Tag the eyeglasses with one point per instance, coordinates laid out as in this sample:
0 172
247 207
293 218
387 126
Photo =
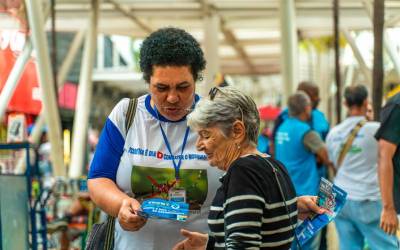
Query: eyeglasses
213 92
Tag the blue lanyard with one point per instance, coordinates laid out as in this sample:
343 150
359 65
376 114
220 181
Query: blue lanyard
176 166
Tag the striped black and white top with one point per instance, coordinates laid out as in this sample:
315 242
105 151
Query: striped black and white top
248 211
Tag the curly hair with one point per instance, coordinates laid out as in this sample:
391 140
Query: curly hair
171 47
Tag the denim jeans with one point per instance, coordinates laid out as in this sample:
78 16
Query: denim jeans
311 244
359 221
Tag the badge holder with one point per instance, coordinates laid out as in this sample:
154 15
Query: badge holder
177 193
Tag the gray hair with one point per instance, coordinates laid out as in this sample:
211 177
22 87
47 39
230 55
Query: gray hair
298 102
228 105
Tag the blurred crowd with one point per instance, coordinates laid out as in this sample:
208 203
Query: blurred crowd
359 155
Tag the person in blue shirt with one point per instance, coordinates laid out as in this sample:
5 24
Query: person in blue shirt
317 120
263 141
297 146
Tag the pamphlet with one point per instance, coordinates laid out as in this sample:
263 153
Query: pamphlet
331 198
165 209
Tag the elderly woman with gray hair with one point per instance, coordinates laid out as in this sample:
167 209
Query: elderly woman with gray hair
256 205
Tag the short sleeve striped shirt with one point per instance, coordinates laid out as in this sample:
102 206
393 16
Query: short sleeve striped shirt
248 211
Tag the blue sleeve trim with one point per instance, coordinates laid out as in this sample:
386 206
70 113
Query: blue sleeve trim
108 153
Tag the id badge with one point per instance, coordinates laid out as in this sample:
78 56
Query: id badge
177 195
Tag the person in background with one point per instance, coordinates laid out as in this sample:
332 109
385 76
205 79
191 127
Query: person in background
297 145
388 136
250 210
353 149
263 141
317 120
370 112
81 213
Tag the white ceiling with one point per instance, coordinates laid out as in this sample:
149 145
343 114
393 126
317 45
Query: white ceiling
253 23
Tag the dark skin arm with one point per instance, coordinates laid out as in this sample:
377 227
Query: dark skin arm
389 221
314 143
323 158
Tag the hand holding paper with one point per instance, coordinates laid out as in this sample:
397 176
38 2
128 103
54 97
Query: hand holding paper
307 206
127 217
331 198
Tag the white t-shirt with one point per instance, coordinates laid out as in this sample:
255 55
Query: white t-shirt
358 173
146 171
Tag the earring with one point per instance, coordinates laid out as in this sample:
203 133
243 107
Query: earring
238 146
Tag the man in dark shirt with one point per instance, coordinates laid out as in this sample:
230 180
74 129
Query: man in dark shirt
388 137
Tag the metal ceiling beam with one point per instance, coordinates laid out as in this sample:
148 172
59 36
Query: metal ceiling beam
387 43
248 17
230 37
266 69
255 41
62 75
258 56
309 21
127 13
211 31
74 22
262 8
84 95
314 4
289 46
357 54
392 21
46 83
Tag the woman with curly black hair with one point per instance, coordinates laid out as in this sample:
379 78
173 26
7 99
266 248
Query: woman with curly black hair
156 156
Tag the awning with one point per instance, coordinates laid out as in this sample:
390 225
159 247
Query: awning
269 112
27 95
26 98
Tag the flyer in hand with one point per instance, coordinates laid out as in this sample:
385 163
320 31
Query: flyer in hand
165 209
330 197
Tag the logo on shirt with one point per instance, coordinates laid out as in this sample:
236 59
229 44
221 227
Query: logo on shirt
282 137
160 155
150 182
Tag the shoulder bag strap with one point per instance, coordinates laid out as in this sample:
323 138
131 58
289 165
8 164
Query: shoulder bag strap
130 116
130 113
350 138
276 171
109 239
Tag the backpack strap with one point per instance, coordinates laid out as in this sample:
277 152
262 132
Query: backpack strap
109 239
110 224
349 141
130 113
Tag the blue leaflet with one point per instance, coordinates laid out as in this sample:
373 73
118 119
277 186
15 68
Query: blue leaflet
330 197
165 209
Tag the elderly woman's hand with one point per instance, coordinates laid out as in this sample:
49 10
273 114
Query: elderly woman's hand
127 217
307 205
193 241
